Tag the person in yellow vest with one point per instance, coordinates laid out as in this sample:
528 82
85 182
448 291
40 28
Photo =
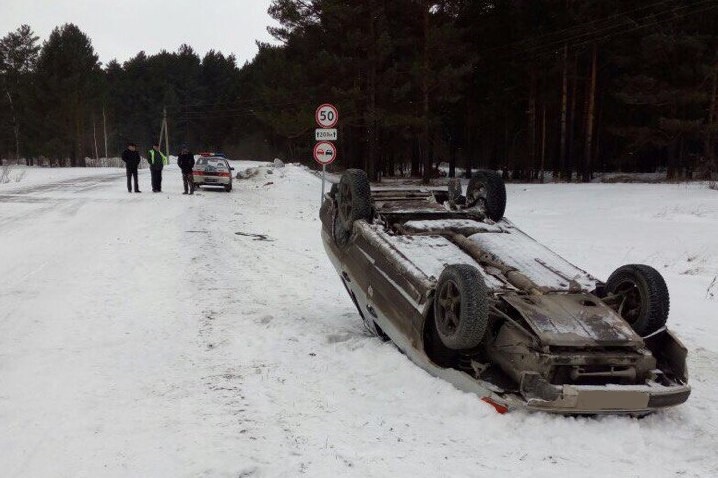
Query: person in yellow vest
157 161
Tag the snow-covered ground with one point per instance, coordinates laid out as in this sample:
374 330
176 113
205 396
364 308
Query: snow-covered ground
140 336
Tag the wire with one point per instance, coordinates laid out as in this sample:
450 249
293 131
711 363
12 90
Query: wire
675 12
587 24
582 38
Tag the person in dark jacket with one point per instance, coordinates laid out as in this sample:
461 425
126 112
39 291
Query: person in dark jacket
132 161
186 162
157 161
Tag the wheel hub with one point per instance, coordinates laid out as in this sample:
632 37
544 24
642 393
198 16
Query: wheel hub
449 310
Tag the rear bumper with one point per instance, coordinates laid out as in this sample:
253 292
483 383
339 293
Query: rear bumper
211 180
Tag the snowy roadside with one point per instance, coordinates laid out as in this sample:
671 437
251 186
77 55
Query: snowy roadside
33 176
140 335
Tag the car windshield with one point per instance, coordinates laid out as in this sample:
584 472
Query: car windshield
215 163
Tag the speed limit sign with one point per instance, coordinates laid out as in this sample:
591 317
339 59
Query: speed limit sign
327 116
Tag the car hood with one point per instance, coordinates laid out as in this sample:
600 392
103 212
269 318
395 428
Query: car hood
574 320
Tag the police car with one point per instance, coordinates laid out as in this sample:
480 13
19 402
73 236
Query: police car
212 169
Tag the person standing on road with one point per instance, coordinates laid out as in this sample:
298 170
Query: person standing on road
186 162
157 161
132 161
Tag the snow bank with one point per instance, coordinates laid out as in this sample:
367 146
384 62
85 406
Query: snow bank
140 336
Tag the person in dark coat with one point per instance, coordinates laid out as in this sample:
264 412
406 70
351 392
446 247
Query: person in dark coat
157 161
186 162
132 161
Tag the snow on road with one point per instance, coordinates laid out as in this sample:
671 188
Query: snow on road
140 335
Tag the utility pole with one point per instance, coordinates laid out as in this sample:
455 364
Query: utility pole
104 128
162 132
167 133
94 137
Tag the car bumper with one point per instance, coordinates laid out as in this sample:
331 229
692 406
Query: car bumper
211 181
626 399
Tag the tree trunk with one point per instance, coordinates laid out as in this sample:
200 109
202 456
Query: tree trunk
543 145
709 150
590 111
415 159
470 150
564 111
370 118
426 178
532 122
452 158
15 125
571 127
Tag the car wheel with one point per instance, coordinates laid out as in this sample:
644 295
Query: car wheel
228 187
640 296
487 190
461 307
353 198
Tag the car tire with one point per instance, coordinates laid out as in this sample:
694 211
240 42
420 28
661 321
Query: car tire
228 187
435 349
644 301
461 307
487 189
353 198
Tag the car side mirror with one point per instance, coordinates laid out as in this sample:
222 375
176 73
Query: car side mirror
231 168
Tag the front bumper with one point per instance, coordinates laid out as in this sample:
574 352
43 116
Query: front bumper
612 399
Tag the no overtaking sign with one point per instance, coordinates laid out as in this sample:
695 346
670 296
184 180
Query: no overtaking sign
325 153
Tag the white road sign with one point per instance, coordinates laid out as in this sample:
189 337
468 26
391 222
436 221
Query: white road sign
325 153
327 116
326 134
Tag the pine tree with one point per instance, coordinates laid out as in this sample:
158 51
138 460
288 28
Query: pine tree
18 58
69 84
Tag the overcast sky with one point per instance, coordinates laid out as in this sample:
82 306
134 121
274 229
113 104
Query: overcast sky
122 28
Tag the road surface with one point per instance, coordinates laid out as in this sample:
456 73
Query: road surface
166 335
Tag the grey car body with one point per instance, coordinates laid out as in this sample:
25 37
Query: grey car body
212 171
554 341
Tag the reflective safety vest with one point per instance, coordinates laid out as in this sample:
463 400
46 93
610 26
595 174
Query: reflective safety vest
152 158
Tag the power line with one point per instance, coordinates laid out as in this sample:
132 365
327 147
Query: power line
623 28
593 22
587 37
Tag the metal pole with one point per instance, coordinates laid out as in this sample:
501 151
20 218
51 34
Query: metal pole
324 173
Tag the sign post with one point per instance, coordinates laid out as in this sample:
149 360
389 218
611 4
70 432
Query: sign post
327 117
324 153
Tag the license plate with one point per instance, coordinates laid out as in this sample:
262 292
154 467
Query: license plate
210 180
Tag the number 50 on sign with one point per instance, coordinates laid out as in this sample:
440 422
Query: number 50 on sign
327 116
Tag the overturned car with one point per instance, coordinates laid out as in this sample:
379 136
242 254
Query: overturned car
472 299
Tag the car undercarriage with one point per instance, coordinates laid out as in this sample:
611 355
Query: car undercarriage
471 298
